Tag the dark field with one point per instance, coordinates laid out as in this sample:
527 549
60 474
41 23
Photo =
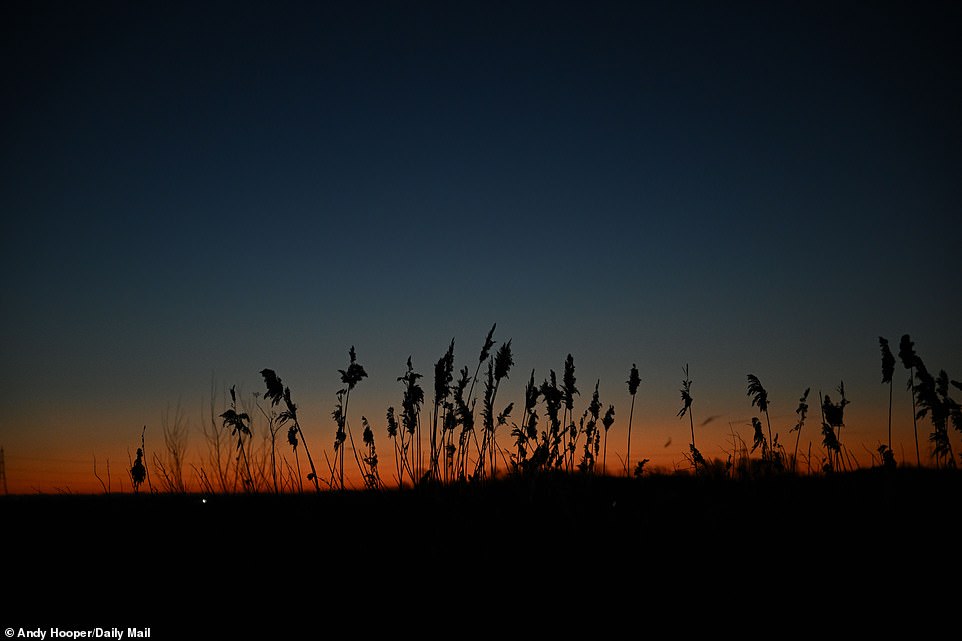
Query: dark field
574 551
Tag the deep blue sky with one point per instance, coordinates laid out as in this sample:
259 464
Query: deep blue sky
196 191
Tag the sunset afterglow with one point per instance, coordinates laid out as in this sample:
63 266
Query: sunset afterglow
195 192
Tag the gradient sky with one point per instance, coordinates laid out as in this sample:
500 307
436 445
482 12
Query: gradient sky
193 192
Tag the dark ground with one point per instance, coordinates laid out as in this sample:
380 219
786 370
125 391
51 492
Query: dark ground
566 552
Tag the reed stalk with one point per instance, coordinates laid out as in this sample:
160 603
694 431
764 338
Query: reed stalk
239 424
908 357
277 392
633 382
801 411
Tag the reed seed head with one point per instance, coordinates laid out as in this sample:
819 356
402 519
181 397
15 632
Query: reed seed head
888 361
503 361
633 380
685 394
609 418
443 374
488 344
568 382
907 352
354 372
760 395
275 389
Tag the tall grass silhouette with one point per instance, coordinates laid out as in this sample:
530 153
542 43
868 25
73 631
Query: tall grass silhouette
907 356
277 392
930 398
686 398
465 405
443 375
606 422
239 424
633 382
400 460
552 439
760 398
526 433
464 416
411 401
589 427
568 390
932 394
549 435
369 471
138 473
498 368
802 412
888 371
833 419
349 377
758 439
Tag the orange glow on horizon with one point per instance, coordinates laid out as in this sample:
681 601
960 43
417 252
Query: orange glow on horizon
663 443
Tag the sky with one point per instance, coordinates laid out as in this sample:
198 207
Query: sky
193 192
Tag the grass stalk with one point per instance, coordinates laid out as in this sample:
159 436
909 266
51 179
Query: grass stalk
277 392
908 357
801 411
633 382
443 375
696 456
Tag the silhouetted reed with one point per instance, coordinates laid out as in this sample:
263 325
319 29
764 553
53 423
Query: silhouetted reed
487 421
527 432
606 422
589 426
934 401
760 398
369 472
483 357
907 356
568 390
411 402
138 473
463 407
759 438
930 398
277 392
464 412
888 370
558 442
239 424
400 460
553 455
498 368
833 419
443 375
349 377
696 456
143 449
503 361
633 382
802 412
953 409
